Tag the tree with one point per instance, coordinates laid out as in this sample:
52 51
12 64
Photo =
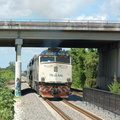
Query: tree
115 86
8 75
11 67
78 75
91 65
84 67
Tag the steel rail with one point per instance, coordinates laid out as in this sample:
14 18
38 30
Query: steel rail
64 116
77 93
93 117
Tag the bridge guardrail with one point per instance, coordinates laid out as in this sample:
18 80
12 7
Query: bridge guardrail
61 20
60 25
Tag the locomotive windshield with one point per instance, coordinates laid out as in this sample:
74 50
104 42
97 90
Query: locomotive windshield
46 59
63 59
53 55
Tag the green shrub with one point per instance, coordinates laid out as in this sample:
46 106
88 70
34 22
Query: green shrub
90 83
6 101
2 82
115 86
8 75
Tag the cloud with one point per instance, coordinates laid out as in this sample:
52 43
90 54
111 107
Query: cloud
6 50
44 8
12 8
92 17
111 7
58 8
7 55
32 51
51 9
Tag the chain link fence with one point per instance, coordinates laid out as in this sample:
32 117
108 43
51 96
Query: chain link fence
106 100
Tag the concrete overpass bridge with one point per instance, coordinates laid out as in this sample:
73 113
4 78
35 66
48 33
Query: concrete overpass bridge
62 34
72 34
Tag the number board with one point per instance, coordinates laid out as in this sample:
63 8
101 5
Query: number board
49 53
61 53
55 53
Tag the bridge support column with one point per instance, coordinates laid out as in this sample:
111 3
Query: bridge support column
18 43
109 64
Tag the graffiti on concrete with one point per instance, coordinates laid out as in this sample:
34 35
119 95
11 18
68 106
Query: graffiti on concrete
18 87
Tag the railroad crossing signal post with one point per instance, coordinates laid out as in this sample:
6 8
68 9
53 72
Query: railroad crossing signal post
18 43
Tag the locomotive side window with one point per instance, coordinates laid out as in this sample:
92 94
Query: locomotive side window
46 59
63 59
32 61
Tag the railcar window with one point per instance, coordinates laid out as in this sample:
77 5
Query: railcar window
63 59
32 62
46 59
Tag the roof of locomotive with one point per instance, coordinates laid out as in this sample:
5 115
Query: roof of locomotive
54 52
51 52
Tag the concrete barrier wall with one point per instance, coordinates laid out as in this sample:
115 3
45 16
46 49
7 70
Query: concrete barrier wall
106 100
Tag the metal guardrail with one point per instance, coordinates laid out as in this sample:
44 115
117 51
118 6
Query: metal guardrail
106 100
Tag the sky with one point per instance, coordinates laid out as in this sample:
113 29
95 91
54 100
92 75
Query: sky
108 10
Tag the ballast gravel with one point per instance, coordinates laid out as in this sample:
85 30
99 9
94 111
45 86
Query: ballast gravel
30 107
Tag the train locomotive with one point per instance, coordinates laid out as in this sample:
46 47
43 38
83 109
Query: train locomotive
50 73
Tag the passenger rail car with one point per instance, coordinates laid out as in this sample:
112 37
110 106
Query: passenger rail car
50 73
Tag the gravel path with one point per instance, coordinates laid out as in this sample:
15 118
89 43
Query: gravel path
29 107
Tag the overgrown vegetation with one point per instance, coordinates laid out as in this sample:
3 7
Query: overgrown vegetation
8 75
115 86
84 67
91 65
6 95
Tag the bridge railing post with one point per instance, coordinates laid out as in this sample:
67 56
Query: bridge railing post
18 43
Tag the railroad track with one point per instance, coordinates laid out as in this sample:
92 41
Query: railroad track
93 117
61 113
77 93
65 116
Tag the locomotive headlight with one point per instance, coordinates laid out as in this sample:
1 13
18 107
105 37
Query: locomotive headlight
43 79
68 79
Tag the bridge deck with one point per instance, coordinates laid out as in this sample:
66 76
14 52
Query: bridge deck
78 34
